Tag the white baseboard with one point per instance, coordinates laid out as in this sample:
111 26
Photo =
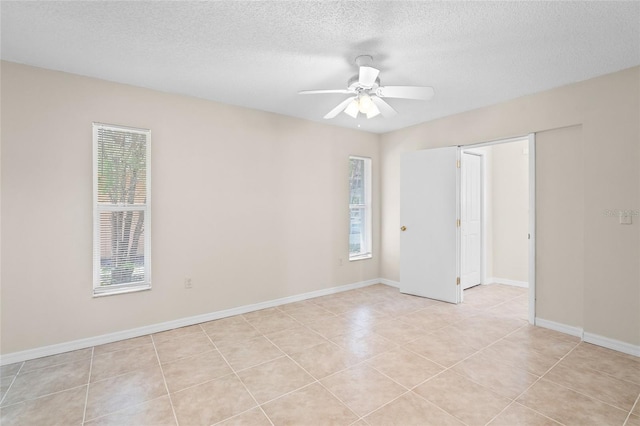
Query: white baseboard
562 328
616 345
59 348
391 283
507 281
605 342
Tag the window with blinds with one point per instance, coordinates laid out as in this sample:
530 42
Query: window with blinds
359 208
121 193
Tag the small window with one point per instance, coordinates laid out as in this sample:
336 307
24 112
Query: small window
122 217
359 208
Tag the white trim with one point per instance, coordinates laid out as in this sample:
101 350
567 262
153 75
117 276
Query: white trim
614 344
562 328
532 228
28 354
506 281
390 283
595 339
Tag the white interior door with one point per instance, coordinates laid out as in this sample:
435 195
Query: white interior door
429 191
470 219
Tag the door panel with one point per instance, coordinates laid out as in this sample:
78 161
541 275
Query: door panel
470 220
428 210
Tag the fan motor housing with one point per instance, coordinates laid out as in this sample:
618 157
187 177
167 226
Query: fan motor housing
354 84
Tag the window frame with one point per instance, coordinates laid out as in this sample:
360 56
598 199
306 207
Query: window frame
367 240
98 290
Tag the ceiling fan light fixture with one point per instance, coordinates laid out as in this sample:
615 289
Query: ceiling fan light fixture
352 109
373 111
365 103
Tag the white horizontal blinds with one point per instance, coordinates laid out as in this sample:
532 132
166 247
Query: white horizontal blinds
359 207
121 185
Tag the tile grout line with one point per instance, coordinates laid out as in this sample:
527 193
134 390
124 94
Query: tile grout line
631 411
86 396
15 376
164 380
237 377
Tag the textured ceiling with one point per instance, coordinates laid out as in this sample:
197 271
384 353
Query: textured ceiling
260 54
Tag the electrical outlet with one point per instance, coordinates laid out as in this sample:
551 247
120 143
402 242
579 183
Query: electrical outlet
187 283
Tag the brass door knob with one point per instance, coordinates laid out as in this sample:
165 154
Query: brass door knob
403 228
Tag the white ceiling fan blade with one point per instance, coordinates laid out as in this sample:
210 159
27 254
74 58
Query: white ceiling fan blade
367 76
406 92
337 110
315 92
385 109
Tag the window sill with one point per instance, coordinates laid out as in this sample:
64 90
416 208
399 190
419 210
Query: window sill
122 290
360 257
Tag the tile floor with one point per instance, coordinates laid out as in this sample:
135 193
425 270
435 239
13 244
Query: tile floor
370 356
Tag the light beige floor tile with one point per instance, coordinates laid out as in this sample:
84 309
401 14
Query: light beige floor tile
633 420
441 349
52 360
312 405
182 347
274 378
613 363
365 317
230 329
398 331
503 379
462 398
363 389
309 313
410 409
194 370
212 402
569 407
334 326
516 355
619 393
157 412
517 414
636 409
296 339
273 323
404 367
363 344
122 344
262 313
428 319
477 341
324 359
10 369
253 417
62 408
48 380
111 364
308 303
337 304
176 332
245 354
124 391
5 384
542 340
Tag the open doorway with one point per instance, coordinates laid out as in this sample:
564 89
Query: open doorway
495 225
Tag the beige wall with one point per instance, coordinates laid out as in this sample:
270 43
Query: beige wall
510 211
607 162
250 205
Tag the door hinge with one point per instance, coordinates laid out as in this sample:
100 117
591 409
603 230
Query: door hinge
458 163
458 281
458 223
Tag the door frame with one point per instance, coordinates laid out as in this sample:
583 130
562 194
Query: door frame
483 212
531 137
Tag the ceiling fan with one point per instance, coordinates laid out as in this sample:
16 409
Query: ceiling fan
368 94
